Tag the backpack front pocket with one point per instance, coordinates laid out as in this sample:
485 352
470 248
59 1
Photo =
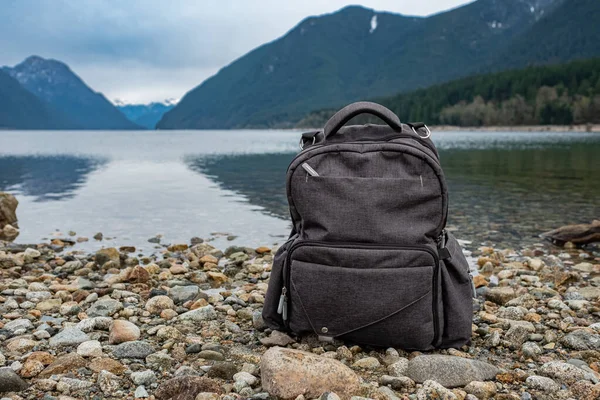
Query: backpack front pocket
378 295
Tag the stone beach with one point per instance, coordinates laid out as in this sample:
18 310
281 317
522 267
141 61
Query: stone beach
185 323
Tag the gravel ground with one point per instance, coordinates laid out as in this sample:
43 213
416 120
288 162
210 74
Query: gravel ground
185 324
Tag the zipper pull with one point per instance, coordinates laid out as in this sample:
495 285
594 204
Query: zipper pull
443 251
282 301
284 314
309 169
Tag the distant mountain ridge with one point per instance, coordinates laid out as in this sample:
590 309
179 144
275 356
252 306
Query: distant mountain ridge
146 115
337 58
20 109
54 83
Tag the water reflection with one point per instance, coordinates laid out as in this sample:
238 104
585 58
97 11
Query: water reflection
505 195
46 178
260 178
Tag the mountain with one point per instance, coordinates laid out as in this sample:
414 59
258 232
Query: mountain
19 109
551 94
570 32
146 115
353 54
53 82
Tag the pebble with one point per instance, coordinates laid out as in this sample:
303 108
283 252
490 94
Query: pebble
10 381
449 371
144 378
123 331
136 349
542 383
69 336
91 348
563 372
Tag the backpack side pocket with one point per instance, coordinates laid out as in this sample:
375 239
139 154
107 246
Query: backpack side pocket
457 295
272 318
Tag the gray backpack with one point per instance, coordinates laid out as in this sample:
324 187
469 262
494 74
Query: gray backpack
368 260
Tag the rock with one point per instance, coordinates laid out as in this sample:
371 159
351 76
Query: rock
398 368
98 236
582 340
96 323
432 390
20 345
397 382
123 331
563 372
69 336
109 254
63 364
107 364
157 304
449 371
277 338
9 233
160 361
18 324
137 349
8 209
10 381
289 373
207 396
138 274
500 295
217 278
367 363
516 335
542 383
186 388
584 390
109 383
205 313
590 293
257 321
49 305
531 350
141 393
104 307
31 368
181 294
223 370
144 378
211 355
482 390
91 348
245 377
177 247
72 385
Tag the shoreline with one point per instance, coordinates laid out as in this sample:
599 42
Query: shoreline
522 128
187 320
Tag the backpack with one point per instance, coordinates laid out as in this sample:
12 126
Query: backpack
368 260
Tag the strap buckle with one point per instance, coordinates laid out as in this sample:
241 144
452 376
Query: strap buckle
427 136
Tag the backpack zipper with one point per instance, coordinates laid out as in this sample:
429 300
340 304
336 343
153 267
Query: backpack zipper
283 300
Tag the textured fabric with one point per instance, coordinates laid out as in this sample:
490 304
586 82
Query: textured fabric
364 263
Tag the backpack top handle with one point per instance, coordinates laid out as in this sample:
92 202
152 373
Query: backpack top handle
341 117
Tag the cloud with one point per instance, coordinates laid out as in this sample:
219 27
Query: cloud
144 50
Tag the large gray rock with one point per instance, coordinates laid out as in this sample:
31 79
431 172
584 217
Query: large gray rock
205 313
582 340
10 381
181 294
69 336
104 307
562 372
288 373
8 210
137 349
449 371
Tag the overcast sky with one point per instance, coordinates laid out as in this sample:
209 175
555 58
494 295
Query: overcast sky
150 50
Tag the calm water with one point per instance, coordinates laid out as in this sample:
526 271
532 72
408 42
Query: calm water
505 188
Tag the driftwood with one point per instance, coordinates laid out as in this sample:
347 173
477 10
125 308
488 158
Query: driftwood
577 234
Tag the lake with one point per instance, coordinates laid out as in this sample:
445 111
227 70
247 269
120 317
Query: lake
228 186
